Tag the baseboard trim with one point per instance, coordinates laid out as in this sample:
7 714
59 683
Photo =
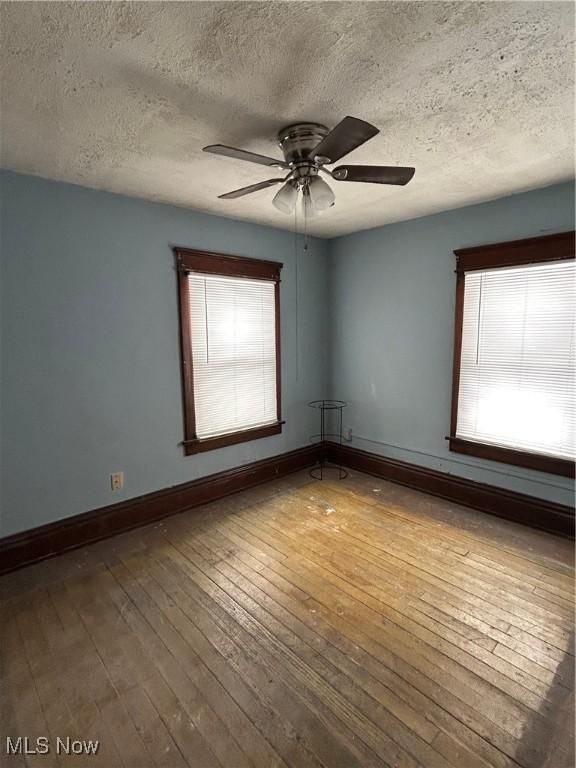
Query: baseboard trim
54 538
519 507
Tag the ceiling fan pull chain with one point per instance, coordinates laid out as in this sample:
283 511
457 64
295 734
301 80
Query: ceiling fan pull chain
305 228
296 324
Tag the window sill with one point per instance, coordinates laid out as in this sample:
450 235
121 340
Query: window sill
537 461
212 443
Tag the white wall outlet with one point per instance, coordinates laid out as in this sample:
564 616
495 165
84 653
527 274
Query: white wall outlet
347 433
117 481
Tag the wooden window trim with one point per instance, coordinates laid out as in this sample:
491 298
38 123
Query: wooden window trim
534 250
206 262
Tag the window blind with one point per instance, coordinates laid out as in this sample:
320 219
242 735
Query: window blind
233 332
517 361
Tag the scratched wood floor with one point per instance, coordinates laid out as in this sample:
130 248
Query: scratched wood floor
334 624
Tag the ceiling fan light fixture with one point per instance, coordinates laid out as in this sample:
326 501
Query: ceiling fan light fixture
321 195
308 208
285 199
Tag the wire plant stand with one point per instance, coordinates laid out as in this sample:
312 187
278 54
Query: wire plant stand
328 408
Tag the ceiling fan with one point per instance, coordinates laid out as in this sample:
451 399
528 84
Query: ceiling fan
308 148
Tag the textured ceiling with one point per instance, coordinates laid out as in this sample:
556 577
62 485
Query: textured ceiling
123 96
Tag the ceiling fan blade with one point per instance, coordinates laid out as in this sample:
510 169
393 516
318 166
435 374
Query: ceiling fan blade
374 174
241 154
346 136
248 190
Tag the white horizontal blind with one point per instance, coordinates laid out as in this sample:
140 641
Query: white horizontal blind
233 331
517 362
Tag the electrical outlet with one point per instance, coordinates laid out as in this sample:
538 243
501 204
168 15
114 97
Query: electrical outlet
347 433
117 481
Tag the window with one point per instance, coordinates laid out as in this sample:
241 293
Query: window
230 345
513 388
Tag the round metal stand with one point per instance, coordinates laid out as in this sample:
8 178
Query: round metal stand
326 407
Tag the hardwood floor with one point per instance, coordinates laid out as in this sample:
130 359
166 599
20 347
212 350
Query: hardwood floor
302 623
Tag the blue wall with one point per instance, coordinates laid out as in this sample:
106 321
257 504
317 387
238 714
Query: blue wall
392 294
89 344
90 358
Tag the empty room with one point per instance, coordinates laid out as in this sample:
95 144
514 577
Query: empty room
287 384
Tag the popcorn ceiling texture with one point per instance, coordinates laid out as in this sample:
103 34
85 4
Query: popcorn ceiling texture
123 96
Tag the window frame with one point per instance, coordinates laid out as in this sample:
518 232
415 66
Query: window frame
534 250
206 262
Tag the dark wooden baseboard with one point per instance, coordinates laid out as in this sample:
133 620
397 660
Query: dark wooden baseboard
72 532
529 510
54 538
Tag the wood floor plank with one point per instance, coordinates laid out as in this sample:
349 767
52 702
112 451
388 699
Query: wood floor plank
276 603
510 716
100 670
392 524
249 666
332 711
414 575
502 540
20 694
299 624
74 661
396 546
128 666
406 738
378 680
504 676
188 667
490 706
544 654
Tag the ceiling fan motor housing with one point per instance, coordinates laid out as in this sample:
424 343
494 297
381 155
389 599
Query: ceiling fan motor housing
299 139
